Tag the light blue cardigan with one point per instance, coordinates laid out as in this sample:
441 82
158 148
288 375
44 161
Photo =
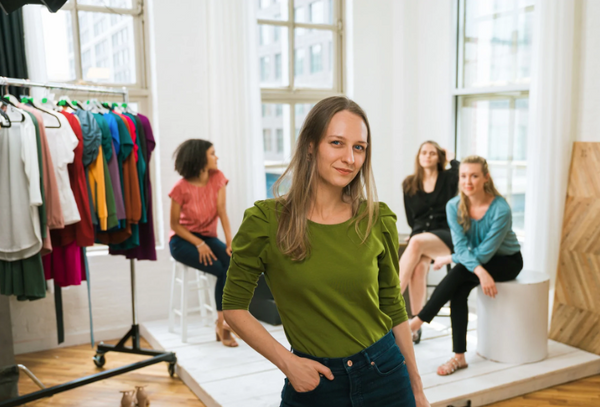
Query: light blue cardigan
489 236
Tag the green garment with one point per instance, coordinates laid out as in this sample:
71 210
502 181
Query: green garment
42 207
107 151
23 278
341 299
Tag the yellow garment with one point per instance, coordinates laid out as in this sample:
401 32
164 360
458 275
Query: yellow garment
98 189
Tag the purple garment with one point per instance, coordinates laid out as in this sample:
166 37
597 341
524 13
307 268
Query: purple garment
147 248
113 169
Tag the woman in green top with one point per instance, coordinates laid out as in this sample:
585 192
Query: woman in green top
329 253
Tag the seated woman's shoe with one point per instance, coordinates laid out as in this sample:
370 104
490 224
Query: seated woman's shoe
225 336
450 367
416 336
142 397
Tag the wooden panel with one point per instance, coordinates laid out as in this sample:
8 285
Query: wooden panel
576 314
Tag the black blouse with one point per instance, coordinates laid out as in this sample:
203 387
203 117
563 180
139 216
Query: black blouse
427 211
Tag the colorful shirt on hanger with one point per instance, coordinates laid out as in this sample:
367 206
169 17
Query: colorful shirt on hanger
107 152
92 136
98 188
62 142
55 219
20 193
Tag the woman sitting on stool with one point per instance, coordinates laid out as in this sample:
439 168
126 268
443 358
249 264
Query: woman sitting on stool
426 193
197 203
485 250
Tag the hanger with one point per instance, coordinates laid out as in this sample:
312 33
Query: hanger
5 116
127 109
31 102
65 101
7 101
96 107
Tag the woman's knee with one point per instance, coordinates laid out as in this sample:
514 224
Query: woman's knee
415 244
422 267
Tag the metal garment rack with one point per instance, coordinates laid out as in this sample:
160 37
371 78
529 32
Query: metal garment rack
134 332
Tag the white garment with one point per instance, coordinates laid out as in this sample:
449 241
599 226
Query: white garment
20 194
62 141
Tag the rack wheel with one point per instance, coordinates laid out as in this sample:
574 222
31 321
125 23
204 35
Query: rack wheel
172 369
99 360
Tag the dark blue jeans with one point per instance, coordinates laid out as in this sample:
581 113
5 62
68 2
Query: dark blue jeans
186 253
374 377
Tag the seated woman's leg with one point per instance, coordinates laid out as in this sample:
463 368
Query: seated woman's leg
219 249
417 287
423 244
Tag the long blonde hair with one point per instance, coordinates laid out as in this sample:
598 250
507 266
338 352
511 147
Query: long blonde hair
414 183
464 219
302 173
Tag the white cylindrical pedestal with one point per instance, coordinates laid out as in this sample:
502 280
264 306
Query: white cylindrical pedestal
513 327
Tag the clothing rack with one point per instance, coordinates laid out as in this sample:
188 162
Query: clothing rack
134 332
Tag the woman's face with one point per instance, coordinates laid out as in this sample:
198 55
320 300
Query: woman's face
428 156
211 159
472 180
342 151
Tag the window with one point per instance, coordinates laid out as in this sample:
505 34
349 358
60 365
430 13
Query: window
295 81
316 58
105 27
277 66
492 92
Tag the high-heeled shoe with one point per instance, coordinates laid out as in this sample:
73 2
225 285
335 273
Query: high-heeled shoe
127 400
229 342
416 336
142 397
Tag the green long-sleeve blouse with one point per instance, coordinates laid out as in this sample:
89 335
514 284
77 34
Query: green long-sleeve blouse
342 298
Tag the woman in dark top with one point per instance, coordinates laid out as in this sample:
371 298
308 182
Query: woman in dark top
426 193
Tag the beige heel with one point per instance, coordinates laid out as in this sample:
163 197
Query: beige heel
142 397
127 400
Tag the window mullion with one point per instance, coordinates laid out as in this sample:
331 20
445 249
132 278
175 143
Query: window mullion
291 44
76 42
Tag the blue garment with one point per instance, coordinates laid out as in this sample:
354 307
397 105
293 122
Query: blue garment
186 253
376 376
114 131
92 135
488 236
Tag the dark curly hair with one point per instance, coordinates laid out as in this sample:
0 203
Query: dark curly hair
190 157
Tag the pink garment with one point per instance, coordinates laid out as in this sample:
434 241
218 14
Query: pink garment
66 265
199 204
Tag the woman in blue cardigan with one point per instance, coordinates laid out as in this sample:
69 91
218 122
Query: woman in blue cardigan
486 250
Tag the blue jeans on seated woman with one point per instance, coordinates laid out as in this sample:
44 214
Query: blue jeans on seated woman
374 377
186 253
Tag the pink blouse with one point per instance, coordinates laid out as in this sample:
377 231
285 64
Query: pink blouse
199 204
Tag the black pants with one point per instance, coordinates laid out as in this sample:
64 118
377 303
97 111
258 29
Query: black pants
457 286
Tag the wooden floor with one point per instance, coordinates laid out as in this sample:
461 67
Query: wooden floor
61 365
580 393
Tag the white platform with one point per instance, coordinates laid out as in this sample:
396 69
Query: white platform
240 377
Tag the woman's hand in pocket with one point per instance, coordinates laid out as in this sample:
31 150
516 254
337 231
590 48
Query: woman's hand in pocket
305 374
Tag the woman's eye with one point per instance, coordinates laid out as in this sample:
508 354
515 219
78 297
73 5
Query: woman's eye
359 148
336 143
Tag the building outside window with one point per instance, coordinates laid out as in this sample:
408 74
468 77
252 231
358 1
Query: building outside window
313 27
494 51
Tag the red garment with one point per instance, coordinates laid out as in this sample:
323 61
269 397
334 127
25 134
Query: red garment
199 204
132 132
66 265
82 232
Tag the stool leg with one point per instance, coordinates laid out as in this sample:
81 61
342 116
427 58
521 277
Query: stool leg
201 296
172 298
210 292
184 303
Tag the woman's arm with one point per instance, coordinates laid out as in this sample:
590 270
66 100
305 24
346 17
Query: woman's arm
302 373
222 211
404 341
206 255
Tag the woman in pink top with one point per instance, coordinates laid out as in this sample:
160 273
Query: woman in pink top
197 204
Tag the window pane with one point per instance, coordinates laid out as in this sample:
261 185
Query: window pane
313 11
58 44
300 112
107 48
108 3
317 71
273 55
276 133
497 43
495 127
273 10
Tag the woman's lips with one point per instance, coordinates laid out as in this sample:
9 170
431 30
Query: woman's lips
343 172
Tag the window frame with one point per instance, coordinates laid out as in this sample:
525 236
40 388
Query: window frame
291 95
512 91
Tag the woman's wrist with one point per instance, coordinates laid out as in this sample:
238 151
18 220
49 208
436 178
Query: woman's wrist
199 245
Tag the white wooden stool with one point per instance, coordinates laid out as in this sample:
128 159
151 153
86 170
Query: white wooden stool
203 285
513 327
